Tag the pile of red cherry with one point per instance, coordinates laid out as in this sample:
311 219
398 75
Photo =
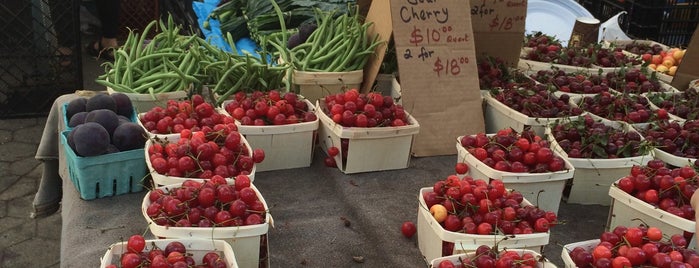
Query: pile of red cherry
269 108
173 255
640 246
211 203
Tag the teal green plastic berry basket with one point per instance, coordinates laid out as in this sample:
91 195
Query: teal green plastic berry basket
105 175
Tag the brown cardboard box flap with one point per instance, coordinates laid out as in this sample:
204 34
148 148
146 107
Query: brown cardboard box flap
383 26
689 68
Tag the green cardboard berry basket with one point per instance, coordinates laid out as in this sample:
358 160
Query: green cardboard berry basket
105 175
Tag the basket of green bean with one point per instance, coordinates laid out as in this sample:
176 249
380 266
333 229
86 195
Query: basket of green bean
331 58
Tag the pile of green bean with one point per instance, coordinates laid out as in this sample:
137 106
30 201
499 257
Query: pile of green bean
171 62
243 73
164 63
339 44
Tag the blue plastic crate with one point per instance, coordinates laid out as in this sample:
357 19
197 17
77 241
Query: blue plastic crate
134 116
105 175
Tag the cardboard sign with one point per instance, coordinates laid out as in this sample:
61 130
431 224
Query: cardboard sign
438 73
498 28
383 26
689 68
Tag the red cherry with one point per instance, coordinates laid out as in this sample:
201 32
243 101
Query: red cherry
333 151
408 229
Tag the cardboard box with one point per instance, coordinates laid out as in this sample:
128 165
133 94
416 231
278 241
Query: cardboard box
369 149
246 241
431 234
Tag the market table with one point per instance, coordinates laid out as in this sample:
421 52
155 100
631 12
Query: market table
322 217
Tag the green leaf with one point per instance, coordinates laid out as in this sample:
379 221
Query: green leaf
599 151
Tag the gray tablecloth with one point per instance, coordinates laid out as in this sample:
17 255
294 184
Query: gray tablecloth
322 217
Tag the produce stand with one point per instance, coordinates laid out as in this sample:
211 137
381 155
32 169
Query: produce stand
329 216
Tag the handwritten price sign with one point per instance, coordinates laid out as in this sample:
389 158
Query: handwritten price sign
450 66
433 31
498 15
498 27
437 66
505 23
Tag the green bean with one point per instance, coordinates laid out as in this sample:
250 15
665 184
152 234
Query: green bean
127 79
226 74
182 75
146 79
322 28
148 85
232 90
330 46
155 56
328 56
115 87
139 45
169 86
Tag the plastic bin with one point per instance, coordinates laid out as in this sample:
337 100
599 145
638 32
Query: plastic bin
671 22
285 146
626 209
197 247
544 189
593 177
431 235
248 242
105 175
588 245
456 258
160 179
369 149
316 85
